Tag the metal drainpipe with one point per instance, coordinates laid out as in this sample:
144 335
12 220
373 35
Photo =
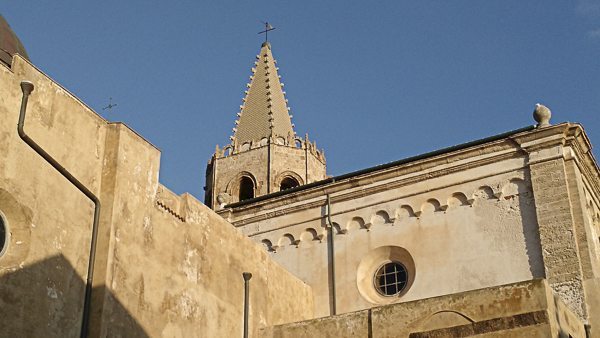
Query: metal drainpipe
27 88
332 253
247 276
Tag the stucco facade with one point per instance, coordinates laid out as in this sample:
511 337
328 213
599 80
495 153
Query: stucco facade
163 263
479 216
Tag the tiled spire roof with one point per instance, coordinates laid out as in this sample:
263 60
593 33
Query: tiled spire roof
264 111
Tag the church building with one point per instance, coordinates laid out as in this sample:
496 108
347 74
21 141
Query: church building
497 237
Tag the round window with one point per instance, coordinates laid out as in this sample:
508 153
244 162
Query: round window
3 236
391 279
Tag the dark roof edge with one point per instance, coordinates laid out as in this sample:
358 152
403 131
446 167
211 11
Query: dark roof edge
382 166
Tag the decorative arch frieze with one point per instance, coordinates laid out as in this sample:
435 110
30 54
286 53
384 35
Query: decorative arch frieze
372 218
227 150
269 245
381 217
484 192
288 239
357 223
339 230
245 146
405 211
515 187
310 234
458 199
432 205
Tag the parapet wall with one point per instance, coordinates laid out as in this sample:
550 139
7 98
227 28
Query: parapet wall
526 309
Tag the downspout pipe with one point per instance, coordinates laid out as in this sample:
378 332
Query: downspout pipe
332 253
247 276
27 88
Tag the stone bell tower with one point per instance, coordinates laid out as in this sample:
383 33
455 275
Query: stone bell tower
265 154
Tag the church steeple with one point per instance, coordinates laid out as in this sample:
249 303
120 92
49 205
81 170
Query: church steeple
264 112
265 155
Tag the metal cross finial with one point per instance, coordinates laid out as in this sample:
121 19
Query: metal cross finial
268 28
110 105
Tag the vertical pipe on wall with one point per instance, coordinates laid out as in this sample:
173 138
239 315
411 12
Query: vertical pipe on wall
27 88
332 255
247 276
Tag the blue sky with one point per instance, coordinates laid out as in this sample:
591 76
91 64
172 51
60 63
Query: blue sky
371 82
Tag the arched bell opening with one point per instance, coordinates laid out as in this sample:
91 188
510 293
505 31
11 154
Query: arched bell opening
288 183
246 188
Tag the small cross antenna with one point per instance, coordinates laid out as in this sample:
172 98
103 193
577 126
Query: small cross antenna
268 28
110 105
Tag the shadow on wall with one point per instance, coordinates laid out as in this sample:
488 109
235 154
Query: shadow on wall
531 231
46 300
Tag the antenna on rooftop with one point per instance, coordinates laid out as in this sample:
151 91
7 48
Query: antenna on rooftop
110 105
268 28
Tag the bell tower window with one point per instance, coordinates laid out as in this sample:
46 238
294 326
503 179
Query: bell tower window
288 183
246 188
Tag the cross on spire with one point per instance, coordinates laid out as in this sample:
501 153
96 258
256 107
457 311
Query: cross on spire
268 28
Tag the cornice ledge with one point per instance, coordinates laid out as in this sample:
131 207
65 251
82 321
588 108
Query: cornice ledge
546 137
503 148
581 152
341 186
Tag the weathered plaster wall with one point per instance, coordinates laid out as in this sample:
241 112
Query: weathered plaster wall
166 265
525 309
472 229
185 277
42 272
500 212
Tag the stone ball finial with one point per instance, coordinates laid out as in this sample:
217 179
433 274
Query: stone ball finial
542 115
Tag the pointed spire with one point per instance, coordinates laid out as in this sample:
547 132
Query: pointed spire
265 111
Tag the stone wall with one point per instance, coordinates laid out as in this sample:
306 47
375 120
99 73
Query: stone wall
562 263
564 191
224 173
165 265
228 171
525 309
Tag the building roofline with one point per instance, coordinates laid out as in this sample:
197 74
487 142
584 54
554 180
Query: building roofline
383 166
